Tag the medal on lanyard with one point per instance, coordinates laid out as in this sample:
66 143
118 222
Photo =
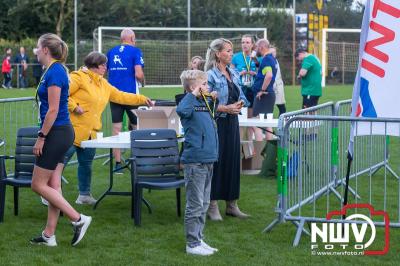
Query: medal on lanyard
247 79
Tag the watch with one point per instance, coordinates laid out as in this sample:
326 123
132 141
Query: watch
41 135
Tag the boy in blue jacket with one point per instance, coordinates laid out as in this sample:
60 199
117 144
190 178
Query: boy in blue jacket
198 157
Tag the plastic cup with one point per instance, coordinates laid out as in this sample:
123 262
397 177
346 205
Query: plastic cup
262 116
270 116
99 135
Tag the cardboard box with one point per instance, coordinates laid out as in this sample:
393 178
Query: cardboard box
255 162
158 117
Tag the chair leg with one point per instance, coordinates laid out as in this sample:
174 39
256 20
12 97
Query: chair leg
178 201
133 200
16 196
138 205
2 200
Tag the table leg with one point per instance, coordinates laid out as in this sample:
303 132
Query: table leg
111 181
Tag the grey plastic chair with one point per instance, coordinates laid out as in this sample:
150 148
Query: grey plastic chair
24 163
155 165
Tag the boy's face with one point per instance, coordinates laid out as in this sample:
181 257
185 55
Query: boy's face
201 85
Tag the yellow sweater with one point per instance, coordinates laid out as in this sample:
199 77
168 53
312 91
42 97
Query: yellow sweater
92 93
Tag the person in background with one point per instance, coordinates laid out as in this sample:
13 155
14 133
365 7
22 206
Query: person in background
311 77
198 158
6 70
89 96
194 62
37 68
22 60
201 65
9 76
279 88
226 82
245 62
55 137
125 70
263 87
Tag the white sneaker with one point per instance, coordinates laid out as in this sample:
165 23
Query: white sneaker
80 229
85 199
206 246
44 201
44 240
199 250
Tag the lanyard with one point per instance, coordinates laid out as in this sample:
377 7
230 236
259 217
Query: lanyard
245 61
212 113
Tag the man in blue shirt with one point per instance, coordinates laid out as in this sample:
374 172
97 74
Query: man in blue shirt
125 70
263 87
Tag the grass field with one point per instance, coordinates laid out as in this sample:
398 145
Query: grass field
113 240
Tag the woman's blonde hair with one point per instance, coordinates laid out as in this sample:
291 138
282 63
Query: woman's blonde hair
58 48
215 46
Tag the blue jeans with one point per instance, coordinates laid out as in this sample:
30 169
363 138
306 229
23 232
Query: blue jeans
85 159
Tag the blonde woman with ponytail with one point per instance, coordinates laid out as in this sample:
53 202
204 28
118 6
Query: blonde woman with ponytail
226 82
55 137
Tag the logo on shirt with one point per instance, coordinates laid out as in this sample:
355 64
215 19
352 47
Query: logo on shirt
141 60
200 109
121 49
117 59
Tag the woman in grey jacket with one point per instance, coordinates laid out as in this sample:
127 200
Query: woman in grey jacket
225 81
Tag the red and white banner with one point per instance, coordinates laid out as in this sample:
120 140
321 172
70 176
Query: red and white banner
376 90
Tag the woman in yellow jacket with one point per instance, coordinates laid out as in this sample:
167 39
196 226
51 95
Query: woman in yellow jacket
89 96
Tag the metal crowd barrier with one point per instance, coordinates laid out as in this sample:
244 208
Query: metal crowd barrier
312 163
28 74
22 112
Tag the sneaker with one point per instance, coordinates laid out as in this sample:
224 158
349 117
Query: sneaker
44 201
118 169
206 246
4 86
44 240
80 228
85 199
199 250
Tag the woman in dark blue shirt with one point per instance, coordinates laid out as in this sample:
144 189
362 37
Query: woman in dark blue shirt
55 137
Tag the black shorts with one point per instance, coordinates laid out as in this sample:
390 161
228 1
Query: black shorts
117 113
248 92
309 101
265 105
58 141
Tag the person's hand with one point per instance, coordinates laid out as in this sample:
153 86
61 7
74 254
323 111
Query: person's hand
253 73
204 91
79 110
233 108
149 102
243 72
196 91
260 94
298 77
214 95
38 148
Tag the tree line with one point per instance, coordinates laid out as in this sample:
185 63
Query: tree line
29 18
